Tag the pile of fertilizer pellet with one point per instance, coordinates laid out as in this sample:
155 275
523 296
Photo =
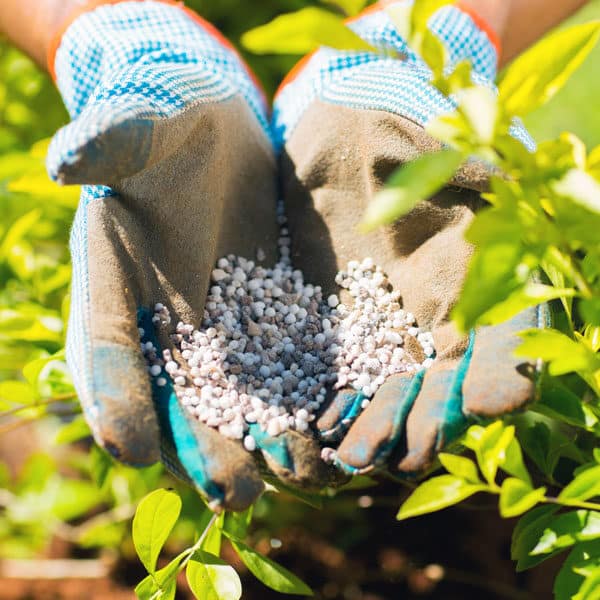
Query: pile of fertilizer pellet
271 346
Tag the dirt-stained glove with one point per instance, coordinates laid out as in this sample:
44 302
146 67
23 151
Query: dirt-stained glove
166 114
345 121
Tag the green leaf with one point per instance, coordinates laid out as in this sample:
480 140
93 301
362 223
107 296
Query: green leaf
237 523
460 466
513 462
74 431
479 105
581 188
33 370
433 52
547 445
212 540
564 354
211 578
31 323
558 402
517 497
74 498
531 294
103 535
539 73
101 464
350 7
586 485
528 536
490 444
154 519
590 589
422 12
36 471
302 32
269 572
18 230
568 529
590 311
416 181
525 534
146 588
17 392
163 581
493 275
437 493
569 579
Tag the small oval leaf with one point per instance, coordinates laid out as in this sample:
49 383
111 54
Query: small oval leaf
211 578
437 493
538 74
460 466
517 497
269 572
413 182
154 519
585 485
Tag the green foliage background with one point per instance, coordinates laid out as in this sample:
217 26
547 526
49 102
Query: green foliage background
59 488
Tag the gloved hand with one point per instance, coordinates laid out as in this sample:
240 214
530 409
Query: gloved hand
165 113
346 121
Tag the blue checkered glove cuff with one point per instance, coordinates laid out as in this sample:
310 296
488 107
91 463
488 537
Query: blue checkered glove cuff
365 80
108 57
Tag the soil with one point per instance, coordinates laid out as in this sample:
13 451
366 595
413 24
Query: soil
354 549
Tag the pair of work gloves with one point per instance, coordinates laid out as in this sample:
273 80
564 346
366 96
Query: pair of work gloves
180 164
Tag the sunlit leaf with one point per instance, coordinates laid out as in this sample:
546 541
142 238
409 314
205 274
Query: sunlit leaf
154 519
18 392
568 529
568 582
580 187
74 431
528 531
517 497
269 572
564 354
211 578
585 485
437 493
531 294
540 72
460 466
416 181
302 32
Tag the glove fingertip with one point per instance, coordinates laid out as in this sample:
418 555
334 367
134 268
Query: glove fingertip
90 150
219 468
118 405
339 415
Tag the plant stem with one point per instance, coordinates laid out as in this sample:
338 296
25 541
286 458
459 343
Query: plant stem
573 503
197 545
188 555
45 402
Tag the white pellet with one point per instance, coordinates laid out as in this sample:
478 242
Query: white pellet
271 345
250 443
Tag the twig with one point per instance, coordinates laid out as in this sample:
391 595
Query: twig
188 555
40 404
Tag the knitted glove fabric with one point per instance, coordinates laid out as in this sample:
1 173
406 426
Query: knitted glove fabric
345 121
169 126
